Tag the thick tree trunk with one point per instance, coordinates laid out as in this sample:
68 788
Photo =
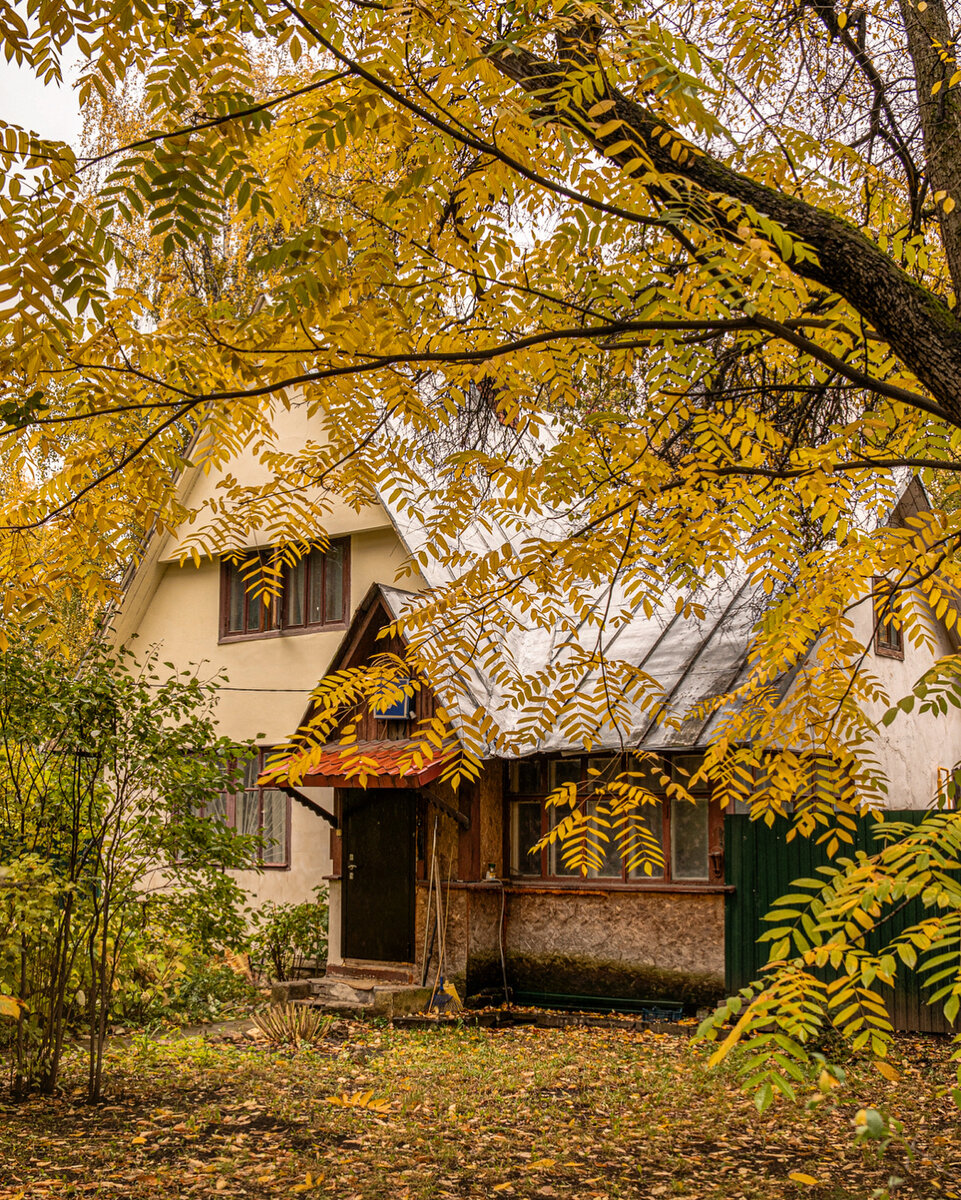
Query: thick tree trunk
920 328
929 32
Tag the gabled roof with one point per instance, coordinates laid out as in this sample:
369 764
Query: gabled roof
694 659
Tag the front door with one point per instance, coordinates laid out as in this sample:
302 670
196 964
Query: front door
378 875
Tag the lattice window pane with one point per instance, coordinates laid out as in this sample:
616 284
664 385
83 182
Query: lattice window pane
274 826
334 583
525 833
689 839
295 592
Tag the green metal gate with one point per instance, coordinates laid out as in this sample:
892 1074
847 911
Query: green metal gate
761 864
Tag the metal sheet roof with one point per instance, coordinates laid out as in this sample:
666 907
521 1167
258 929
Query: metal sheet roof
692 659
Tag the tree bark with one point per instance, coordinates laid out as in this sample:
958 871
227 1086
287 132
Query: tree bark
928 31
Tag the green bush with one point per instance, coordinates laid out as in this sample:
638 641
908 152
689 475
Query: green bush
285 937
104 773
211 991
174 984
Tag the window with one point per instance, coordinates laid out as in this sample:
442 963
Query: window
314 592
888 640
949 788
681 832
262 812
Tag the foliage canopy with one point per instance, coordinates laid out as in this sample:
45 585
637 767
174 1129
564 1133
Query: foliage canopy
706 254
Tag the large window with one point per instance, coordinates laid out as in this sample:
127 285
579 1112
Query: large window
313 592
261 812
681 831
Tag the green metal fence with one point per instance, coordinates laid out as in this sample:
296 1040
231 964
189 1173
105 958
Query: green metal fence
761 864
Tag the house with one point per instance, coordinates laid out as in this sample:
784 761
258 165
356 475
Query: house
423 878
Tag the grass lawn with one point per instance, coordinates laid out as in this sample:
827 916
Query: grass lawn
586 1113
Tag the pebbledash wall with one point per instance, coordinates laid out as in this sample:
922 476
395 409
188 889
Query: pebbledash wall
643 942
584 942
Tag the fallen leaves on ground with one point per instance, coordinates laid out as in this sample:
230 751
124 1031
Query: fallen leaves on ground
461 1114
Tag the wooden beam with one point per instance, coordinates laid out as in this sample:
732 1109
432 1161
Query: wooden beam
306 801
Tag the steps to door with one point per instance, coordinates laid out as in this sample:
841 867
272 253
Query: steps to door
358 997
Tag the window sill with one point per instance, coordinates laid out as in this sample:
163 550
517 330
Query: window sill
594 886
884 652
227 638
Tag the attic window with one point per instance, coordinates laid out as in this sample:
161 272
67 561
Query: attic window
313 593
888 638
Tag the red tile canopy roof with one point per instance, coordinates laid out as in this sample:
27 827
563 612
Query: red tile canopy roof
408 762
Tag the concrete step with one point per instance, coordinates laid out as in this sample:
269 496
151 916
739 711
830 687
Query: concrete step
340 991
358 997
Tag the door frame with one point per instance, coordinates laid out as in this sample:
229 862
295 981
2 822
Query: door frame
370 797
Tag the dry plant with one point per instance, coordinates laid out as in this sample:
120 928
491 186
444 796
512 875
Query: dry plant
293 1024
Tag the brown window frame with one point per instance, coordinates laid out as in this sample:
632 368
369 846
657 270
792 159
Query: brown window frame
275 615
252 768
888 638
714 865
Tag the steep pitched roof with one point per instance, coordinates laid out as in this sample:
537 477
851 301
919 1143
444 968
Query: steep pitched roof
693 658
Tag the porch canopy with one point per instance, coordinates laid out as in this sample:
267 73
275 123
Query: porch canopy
400 763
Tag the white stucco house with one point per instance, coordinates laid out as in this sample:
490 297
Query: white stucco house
376 846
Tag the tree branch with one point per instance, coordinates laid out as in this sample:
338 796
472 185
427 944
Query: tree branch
920 328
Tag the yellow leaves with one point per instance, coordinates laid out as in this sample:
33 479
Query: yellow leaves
885 1069
307 1185
361 1100
9 1007
804 1179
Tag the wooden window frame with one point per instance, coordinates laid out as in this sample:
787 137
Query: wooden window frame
279 625
231 814
885 646
662 882
943 800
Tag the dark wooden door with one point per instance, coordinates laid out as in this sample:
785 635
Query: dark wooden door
378 875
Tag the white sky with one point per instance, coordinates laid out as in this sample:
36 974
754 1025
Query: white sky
48 110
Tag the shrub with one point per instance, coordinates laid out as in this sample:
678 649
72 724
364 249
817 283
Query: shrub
104 773
175 984
286 937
